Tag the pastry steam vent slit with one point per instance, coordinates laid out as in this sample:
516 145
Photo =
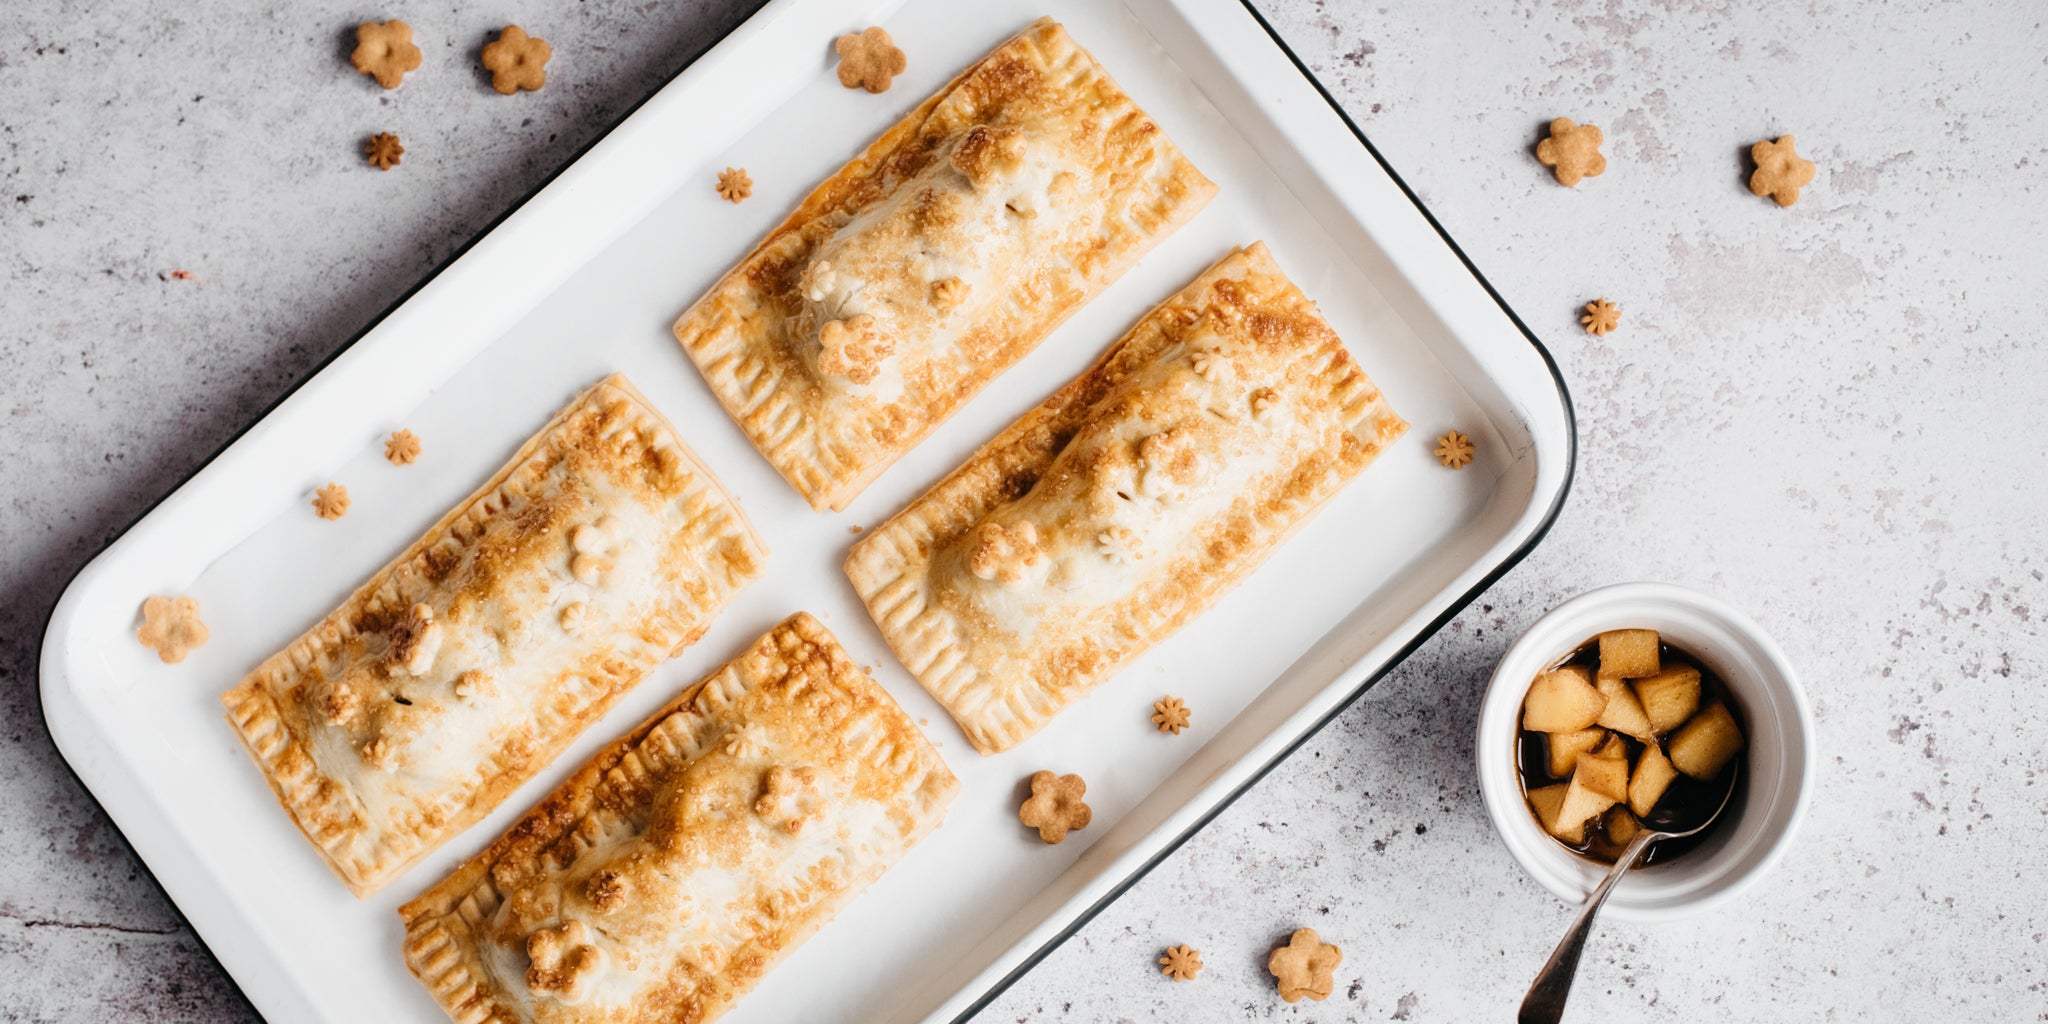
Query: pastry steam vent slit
939 256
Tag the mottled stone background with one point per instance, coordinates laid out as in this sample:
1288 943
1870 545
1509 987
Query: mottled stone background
1831 415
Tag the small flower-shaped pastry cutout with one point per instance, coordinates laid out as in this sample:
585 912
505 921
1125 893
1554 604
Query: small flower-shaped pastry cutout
562 961
1306 966
748 740
590 547
341 703
380 753
948 293
1264 401
385 51
1181 963
853 348
869 60
817 280
331 501
415 640
475 684
572 617
1006 555
787 798
1170 714
734 184
1780 171
606 890
1120 545
383 151
1055 807
403 448
1169 462
517 61
1454 450
1601 317
171 627
1572 151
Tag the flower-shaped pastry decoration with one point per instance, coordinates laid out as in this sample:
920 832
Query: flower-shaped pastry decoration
562 961
817 280
734 184
1454 450
383 151
517 61
415 640
788 797
590 551
331 501
606 890
948 293
1780 171
853 348
403 448
1170 714
747 740
1181 963
572 618
1006 555
1264 401
1210 365
1055 806
475 684
1168 462
171 627
1600 318
1572 151
868 59
385 51
340 704
1306 966
1120 545
380 753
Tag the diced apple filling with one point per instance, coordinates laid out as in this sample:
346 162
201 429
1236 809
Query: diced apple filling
1565 748
1629 653
1653 776
1623 713
1669 697
1703 746
1563 700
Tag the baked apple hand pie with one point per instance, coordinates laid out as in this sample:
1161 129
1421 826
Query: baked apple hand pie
673 870
472 660
1126 504
940 256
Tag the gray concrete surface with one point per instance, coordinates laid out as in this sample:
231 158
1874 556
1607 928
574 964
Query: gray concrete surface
1831 415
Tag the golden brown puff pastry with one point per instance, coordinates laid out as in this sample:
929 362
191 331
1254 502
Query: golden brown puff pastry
673 870
469 662
1120 508
936 259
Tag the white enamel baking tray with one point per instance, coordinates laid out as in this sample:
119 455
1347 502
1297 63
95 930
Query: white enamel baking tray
584 278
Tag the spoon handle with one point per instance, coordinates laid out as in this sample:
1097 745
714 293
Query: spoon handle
1545 1002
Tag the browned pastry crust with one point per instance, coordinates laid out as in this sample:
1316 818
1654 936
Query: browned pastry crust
937 258
672 871
1120 508
474 658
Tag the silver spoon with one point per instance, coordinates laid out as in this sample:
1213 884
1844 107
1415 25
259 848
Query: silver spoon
1545 1002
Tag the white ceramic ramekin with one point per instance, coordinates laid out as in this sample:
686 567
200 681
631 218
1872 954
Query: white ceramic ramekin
1778 765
